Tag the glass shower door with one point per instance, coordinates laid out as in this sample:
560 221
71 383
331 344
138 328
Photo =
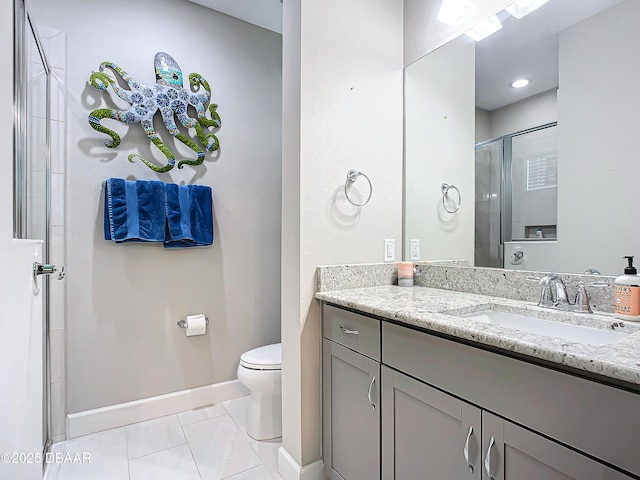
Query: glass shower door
534 174
488 211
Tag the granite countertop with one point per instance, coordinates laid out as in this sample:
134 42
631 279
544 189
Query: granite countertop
436 310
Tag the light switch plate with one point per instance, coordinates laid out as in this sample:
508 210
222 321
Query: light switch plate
415 249
389 250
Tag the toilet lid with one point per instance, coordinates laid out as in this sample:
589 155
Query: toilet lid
268 357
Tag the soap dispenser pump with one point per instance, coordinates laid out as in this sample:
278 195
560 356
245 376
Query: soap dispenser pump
627 296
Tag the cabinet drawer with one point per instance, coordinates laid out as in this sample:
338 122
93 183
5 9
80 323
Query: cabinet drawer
354 331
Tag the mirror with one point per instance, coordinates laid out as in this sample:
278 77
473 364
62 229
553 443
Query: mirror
583 60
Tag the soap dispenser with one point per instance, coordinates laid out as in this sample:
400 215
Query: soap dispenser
627 296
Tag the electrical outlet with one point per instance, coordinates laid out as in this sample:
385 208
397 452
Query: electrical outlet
389 250
415 249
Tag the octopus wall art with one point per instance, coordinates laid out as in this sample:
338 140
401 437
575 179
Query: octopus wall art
167 96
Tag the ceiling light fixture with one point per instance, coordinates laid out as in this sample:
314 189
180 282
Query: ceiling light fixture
520 83
485 28
520 8
455 12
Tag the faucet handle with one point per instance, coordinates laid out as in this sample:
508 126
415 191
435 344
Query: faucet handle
582 299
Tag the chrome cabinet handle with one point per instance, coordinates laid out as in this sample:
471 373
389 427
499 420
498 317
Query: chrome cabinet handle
466 449
348 332
487 459
373 405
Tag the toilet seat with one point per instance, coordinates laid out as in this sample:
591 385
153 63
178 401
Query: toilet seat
268 357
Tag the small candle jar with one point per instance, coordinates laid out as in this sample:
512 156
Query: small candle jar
405 274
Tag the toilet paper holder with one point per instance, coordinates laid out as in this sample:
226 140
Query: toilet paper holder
183 323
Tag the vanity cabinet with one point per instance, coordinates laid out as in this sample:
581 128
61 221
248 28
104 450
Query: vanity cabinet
593 418
451 410
351 406
426 430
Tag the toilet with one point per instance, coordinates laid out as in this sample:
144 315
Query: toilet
260 370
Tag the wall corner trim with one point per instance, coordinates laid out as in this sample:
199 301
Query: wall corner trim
118 415
291 470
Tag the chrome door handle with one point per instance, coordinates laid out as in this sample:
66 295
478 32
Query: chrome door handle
487 459
373 405
46 269
465 450
348 332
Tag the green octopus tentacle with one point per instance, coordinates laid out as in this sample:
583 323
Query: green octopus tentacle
101 81
94 121
133 84
210 141
192 145
197 79
156 168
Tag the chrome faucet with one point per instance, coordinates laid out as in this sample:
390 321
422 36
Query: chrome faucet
554 298
554 294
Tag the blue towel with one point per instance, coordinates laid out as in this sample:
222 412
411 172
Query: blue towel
189 216
134 211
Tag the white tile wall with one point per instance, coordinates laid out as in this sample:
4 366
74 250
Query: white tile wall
58 408
57 356
58 94
54 44
57 199
58 142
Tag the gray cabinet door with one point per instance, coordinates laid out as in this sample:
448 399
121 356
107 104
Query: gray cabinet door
512 453
427 434
351 414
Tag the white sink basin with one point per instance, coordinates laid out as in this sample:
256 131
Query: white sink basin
550 328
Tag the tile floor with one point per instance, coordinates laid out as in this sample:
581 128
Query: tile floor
205 444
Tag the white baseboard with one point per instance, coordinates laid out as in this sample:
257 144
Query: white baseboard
291 470
113 416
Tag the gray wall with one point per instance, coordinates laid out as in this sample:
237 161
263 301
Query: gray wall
123 301
528 113
598 113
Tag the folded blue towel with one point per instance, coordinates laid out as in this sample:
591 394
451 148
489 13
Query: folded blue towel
134 211
189 216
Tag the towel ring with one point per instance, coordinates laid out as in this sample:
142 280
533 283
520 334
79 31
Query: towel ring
445 187
352 176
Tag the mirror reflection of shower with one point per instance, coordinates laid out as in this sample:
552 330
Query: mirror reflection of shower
516 184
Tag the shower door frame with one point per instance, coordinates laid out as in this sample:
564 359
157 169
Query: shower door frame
24 26
506 182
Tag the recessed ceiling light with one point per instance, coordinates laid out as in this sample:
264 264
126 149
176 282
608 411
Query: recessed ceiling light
485 28
520 8
455 12
521 82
